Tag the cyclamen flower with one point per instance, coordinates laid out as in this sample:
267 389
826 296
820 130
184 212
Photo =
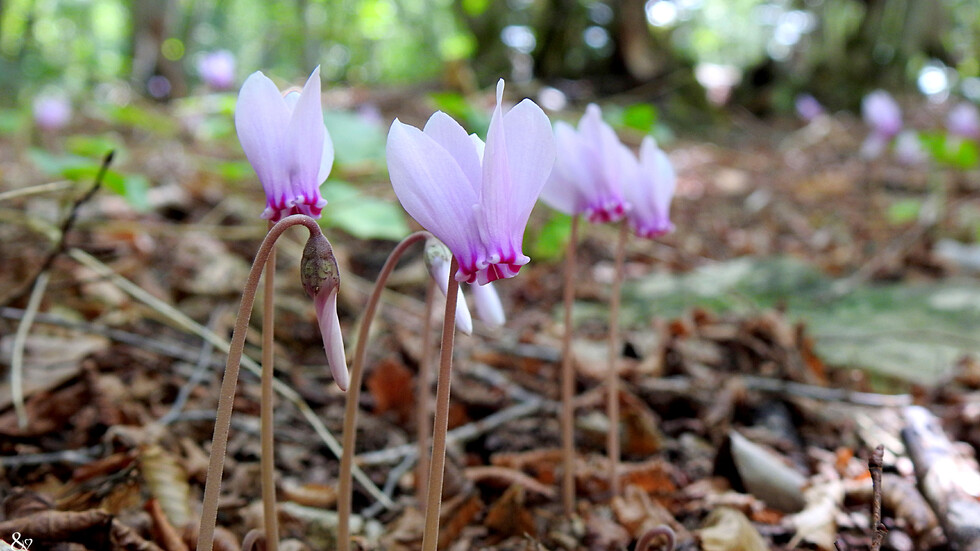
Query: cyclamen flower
286 142
320 276
964 121
488 305
474 197
808 108
217 69
649 186
884 116
587 178
52 112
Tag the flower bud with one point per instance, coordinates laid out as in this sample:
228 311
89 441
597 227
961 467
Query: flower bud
321 279
437 259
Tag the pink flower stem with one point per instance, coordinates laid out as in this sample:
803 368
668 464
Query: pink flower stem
345 491
437 465
226 397
267 464
425 395
612 374
568 379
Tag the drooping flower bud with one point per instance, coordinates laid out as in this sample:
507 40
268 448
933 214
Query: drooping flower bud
437 259
320 276
488 305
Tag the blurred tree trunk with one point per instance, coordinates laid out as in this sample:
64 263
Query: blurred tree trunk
557 37
152 24
636 47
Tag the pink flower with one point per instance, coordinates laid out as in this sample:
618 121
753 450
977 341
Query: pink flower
475 197
52 112
649 185
286 142
587 178
217 69
964 121
437 258
808 108
882 114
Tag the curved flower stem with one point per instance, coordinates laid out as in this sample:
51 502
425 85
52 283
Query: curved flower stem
354 391
437 465
612 374
424 396
568 379
226 398
267 463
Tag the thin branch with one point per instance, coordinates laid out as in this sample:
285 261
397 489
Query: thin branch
20 341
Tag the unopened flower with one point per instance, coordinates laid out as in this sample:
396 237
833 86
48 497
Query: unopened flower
52 112
649 186
475 197
587 178
320 276
437 258
488 305
217 69
286 142
964 121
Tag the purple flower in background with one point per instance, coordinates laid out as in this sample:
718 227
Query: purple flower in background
964 121
217 69
52 112
286 142
808 108
908 149
883 115
649 186
587 176
475 197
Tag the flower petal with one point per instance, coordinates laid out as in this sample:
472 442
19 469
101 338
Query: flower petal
437 259
513 175
451 136
488 305
565 190
261 116
433 189
304 142
333 341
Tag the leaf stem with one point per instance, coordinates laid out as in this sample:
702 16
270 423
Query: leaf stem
267 464
424 394
354 391
568 378
226 397
612 374
437 465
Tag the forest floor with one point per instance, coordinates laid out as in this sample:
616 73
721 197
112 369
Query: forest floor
807 301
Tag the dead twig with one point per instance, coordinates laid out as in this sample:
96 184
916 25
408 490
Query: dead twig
663 531
946 478
878 529
460 434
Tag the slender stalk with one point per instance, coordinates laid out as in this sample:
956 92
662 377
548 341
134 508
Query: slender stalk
568 379
437 465
612 375
226 397
425 395
20 342
354 392
267 463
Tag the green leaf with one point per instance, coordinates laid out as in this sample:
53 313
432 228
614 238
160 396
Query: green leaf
458 107
904 211
951 151
356 140
552 238
133 188
361 216
144 119
640 116
11 120
93 146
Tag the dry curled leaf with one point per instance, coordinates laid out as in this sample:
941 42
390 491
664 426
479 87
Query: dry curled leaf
728 529
509 516
167 482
